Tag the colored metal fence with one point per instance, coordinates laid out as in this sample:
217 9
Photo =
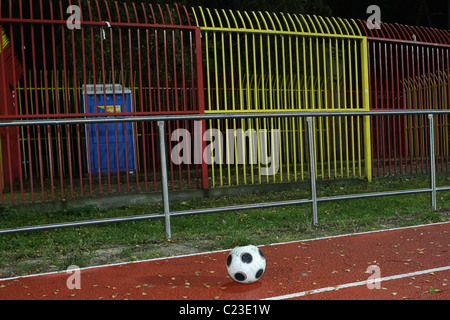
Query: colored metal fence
267 62
174 60
409 69
153 51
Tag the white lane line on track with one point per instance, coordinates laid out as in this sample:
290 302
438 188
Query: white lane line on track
355 284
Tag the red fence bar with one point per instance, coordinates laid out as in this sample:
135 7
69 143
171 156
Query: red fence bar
408 69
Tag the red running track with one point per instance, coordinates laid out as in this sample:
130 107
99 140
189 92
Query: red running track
414 263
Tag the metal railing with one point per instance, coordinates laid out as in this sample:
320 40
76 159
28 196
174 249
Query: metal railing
313 200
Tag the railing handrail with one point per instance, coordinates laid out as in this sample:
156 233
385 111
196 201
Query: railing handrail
57 120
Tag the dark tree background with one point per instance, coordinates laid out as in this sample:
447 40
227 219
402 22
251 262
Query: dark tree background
428 13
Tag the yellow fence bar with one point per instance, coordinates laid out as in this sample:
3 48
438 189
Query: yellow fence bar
267 62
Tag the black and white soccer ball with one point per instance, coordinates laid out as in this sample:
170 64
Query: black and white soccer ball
246 264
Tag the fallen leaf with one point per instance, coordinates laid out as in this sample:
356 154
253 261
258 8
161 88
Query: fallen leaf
433 290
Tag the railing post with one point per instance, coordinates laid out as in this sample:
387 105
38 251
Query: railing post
432 161
366 106
165 187
312 170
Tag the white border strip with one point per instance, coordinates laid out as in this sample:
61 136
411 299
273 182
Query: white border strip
224 250
355 284
360 233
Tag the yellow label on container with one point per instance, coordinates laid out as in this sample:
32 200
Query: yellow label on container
110 109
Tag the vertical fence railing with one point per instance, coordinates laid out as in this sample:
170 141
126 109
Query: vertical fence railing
312 170
266 62
225 62
164 178
409 69
151 52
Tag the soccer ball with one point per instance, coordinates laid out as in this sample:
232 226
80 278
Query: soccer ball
246 264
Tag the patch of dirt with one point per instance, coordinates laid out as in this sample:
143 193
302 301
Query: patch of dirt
142 252
104 256
398 221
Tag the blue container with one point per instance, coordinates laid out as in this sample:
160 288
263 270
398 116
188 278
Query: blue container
100 102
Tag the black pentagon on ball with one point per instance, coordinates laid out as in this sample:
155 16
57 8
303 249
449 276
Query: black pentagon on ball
239 276
229 259
246 258
261 254
259 273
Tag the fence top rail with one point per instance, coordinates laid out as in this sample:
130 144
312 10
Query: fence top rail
5 122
